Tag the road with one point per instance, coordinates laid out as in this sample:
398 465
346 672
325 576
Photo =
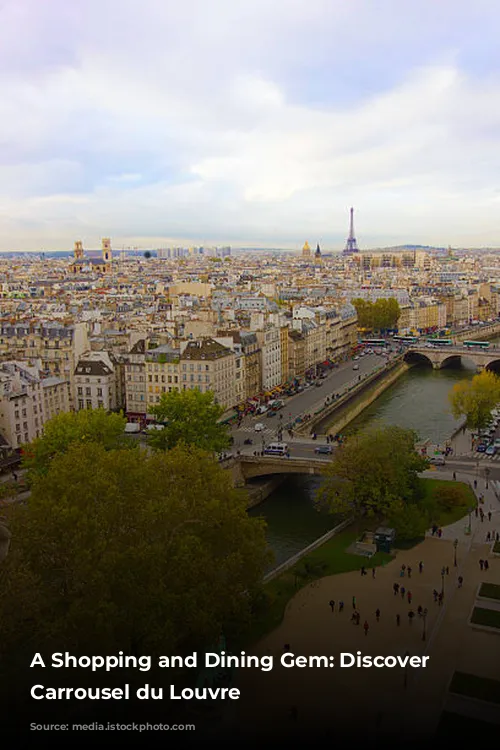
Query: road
306 402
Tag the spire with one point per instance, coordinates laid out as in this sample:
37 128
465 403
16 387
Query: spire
318 251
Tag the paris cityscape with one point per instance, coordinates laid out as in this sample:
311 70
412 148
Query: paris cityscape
250 374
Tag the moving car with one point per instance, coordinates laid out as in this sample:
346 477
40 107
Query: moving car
324 449
481 448
437 460
355 367
491 450
259 427
318 383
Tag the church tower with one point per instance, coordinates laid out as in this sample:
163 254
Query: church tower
306 251
317 254
78 251
107 254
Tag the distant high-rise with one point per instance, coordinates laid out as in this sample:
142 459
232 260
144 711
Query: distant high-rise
351 244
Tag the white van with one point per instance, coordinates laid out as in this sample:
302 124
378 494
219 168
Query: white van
132 427
276 449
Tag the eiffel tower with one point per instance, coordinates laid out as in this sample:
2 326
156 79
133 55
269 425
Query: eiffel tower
351 244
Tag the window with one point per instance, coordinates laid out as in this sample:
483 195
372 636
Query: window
99 391
80 391
17 414
100 404
18 427
89 403
88 392
80 403
26 437
25 425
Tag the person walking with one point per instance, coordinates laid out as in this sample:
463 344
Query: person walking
481 564
341 607
460 581
403 591
488 536
332 605
419 610
476 512
454 476
435 594
420 567
398 620
411 615
497 537
409 596
486 565
440 598
366 627
354 602
489 515
395 588
409 572
377 615
475 484
373 572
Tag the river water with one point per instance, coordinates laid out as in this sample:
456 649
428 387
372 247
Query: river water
418 401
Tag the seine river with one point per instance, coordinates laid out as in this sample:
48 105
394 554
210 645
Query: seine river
418 400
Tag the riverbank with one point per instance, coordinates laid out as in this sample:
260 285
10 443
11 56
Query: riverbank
355 403
262 488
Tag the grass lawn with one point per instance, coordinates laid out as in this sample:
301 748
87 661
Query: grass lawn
490 590
446 517
327 560
482 688
489 617
456 726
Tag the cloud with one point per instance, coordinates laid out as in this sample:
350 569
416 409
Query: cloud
249 121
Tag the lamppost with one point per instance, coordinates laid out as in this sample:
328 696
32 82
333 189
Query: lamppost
469 530
424 631
443 573
455 545
487 474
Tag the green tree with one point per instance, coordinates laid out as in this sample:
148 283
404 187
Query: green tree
372 472
409 520
474 399
190 417
121 550
449 496
89 426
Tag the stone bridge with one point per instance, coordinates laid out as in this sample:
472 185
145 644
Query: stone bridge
248 467
442 356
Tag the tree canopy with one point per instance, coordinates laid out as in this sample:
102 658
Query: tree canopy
190 417
379 315
121 550
372 472
88 426
474 399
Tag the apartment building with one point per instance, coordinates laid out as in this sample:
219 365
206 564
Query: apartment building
207 365
56 397
135 382
57 345
251 351
96 382
162 373
21 403
296 354
270 350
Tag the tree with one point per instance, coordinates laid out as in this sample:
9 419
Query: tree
450 496
191 417
474 399
379 315
89 426
120 550
409 520
372 472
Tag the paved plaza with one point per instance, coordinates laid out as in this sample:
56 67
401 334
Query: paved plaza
382 699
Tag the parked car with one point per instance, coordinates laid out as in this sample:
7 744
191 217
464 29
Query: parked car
318 383
355 367
491 450
324 449
271 413
437 460
481 448
259 427
497 443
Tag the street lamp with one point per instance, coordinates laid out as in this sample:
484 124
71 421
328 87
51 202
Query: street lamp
487 474
424 631
470 521
443 573
455 545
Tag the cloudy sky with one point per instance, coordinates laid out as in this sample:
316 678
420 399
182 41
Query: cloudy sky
253 123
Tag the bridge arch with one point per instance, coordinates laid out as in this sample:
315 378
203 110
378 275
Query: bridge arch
418 358
457 359
493 366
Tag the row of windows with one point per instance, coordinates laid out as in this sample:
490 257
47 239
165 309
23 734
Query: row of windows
175 378
88 391
88 404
